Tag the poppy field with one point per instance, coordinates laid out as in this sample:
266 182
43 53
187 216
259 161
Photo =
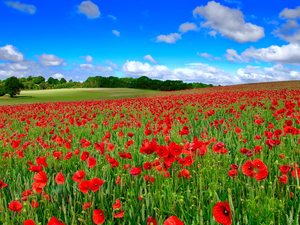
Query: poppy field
221 155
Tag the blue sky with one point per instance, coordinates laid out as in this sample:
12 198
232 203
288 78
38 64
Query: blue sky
219 42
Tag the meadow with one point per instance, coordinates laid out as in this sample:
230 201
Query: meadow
221 155
75 94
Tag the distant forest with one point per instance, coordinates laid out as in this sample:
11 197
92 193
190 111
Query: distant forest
40 83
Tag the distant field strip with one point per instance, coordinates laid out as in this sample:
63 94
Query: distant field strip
79 94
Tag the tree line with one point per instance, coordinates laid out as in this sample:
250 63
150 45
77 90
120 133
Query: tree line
40 83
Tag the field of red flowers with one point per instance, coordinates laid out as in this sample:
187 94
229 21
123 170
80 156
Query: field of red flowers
222 155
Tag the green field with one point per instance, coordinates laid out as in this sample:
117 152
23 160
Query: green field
79 94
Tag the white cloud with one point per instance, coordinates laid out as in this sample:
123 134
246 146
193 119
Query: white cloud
218 58
205 55
289 32
115 66
65 64
50 60
117 33
58 76
89 9
187 26
232 56
212 33
290 13
21 6
229 22
10 53
275 73
171 38
286 54
197 73
87 58
112 17
87 67
148 57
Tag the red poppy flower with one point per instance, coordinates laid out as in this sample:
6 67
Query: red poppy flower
110 147
162 151
85 155
29 222
232 173
147 177
120 214
130 134
41 180
87 205
2 184
173 220
68 145
222 213
59 178
294 172
285 169
77 151
98 216
234 166
54 221
259 164
34 204
185 173
118 180
152 179
91 162
117 205
84 186
283 179
79 176
96 184
15 206
262 174
147 166
151 221
135 171
248 168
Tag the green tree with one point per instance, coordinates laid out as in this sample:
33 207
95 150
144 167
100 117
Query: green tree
13 86
62 81
38 80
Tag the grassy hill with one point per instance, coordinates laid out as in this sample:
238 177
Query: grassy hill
78 94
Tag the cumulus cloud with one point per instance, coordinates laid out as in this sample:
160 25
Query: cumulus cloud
187 26
117 33
232 56
10 53
148 57
87 67
115 66
286 54
58 76
275 73
290 13
112 17
87 58
171 38
197 72
212 33
89 9
289 32
205 55
50 60
98 67
21 6
229 22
